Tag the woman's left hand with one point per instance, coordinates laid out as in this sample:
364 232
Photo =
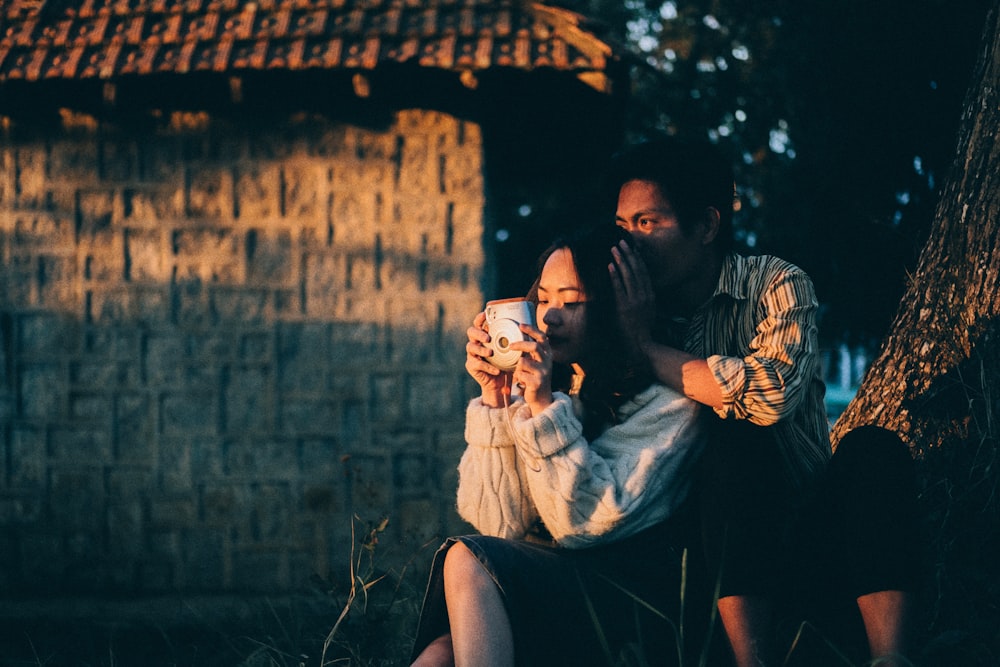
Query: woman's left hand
534 370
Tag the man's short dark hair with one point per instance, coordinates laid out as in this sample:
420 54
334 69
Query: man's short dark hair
692 175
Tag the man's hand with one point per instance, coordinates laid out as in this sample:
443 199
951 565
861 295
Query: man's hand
635 298
637 314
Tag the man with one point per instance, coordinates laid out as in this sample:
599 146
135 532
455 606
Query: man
737 334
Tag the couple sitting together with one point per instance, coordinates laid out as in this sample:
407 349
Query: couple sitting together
664 460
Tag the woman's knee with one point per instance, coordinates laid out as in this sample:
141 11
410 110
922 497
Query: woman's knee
462 570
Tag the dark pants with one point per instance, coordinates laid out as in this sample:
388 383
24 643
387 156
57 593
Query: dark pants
813 553
594 606
747 508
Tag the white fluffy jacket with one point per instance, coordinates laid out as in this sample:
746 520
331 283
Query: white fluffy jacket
631 477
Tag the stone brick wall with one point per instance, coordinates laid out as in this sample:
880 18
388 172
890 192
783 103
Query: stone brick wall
220 339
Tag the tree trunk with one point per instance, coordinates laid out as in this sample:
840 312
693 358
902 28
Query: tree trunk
939 365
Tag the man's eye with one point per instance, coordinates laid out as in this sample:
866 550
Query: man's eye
645 222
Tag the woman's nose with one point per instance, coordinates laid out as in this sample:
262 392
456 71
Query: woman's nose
551 317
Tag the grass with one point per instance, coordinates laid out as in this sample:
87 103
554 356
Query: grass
227 638
959 490
366 620
378 610
255 631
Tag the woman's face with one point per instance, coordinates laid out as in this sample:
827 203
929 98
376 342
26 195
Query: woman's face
562 307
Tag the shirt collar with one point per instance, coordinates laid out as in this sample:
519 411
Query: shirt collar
732 277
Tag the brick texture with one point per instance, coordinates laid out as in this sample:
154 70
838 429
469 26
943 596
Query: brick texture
218 344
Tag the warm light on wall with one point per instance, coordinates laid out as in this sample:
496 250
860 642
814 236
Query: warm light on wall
362 87
75 120
189 120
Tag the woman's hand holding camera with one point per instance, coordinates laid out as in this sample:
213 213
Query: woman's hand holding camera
494 382
533 372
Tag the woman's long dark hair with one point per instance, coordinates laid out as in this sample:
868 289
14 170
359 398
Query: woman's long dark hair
611 378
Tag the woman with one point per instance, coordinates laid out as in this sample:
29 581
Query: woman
592 455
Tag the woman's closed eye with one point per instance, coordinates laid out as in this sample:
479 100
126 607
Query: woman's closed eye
564 304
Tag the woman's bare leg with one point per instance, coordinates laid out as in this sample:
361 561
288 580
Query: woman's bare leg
439 653
480 630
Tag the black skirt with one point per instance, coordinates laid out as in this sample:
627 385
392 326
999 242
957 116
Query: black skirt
615 604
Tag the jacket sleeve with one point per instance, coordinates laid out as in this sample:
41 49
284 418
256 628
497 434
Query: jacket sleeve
632 476
493 494
770 382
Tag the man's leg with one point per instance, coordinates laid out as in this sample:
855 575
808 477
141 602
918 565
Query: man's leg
745 504
888 619
749 624
881 530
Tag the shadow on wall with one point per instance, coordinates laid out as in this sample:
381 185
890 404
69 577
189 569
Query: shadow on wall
155 455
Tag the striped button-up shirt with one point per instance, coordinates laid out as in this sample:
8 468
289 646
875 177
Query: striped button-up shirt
759 335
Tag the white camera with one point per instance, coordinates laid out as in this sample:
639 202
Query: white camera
503 318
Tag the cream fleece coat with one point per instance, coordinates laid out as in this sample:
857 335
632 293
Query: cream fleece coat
634 475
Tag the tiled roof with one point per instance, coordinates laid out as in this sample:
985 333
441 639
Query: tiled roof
67 39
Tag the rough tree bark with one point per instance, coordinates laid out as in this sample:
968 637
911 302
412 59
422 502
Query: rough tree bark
937 366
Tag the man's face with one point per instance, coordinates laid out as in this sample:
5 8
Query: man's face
672 254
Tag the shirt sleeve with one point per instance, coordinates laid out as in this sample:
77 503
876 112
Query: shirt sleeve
493 493
769 383
632 476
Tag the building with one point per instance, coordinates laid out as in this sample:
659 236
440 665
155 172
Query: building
240 243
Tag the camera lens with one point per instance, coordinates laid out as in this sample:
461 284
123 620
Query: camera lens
504 333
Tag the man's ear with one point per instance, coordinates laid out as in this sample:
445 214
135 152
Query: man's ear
710 224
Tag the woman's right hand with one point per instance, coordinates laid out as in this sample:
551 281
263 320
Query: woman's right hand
495 383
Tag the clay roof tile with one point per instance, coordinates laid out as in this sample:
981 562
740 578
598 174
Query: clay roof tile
51 39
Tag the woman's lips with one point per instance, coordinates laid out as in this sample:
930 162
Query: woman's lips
557 342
